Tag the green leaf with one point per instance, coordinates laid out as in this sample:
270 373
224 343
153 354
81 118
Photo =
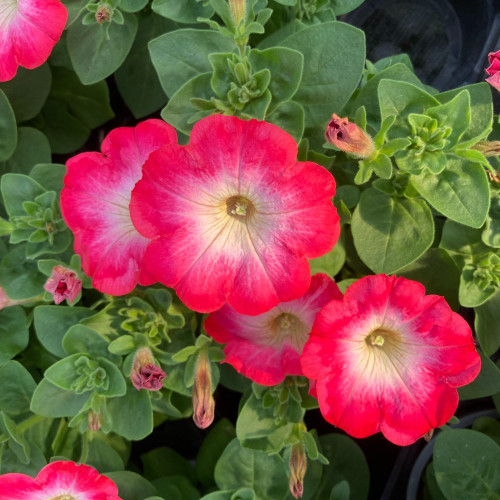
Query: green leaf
32 148
182 12
239 467
343 6
93 55
19 277
88 103
455 114
132 486
17 387
122 345
330 263
49 175
460 192
181 55
481 111
14 333
290 117
52 323
28 91
51 401
347 463
179 111
136 79
133 5
487 325
285 66
211 449
16 189
341 491
368 94
390 233
467 465
487 382
165 461
102 456
488 426
437 272
469 293
176 488
330 76
132 415
491 232
400 99
16 443
8 129
81 339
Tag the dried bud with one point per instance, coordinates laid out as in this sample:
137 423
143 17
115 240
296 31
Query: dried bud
494 177
298 468
103 14
63 284
95 420
203 401
428 435
488 148
348 137
145 374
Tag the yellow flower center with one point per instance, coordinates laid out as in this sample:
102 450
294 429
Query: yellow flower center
288 327
240 208
63 497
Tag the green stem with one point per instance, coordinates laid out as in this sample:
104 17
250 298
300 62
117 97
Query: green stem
60 436
85 448
22 427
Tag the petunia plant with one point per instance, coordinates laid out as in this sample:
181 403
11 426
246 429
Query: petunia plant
237 257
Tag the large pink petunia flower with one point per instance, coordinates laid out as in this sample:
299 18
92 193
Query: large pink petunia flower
95 205
59 480
29 29
266 348
233 216
389 358
493 69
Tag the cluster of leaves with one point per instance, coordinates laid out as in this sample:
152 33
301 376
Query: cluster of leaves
421 206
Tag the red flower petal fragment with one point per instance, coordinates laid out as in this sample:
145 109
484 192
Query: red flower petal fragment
233 216
348 137
63 284
59 480
29 29
95 205
494 69
266 348
389 358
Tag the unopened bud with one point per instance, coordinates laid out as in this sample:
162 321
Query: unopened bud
237 10
63 284
494 177
348 137
203 401
488 148
103 14
145 374
298 468
95 420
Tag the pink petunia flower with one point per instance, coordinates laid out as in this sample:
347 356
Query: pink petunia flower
59 480
267 347
389 358
29 29
95 205
494 69
233 216
63 284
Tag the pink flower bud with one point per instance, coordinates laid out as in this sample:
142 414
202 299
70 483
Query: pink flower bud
494 69
203 401
298 468
348 137
63 284
145 374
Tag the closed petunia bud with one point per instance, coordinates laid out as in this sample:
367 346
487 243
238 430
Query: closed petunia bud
494 69
63 284
203 401
298 468
95 420
348 137
145 374
237 8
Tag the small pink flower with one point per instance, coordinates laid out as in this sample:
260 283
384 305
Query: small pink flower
267 347
348 137
494 69
95 205
59 480
29 29
234 217
145 374
388 358
63 284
